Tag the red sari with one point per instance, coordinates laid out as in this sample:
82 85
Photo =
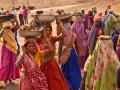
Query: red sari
51 69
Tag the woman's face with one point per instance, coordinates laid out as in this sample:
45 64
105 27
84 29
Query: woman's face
48 31
32 48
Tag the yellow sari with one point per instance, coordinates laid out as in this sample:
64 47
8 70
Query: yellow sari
38 57
10 43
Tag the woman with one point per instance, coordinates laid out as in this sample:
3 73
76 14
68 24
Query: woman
21 18
91 18
35 23
86 22
15 28
8 70
102 66
111 24
33 78
78 29
95 32
69 59
49 64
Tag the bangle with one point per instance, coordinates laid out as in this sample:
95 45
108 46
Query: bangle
47 40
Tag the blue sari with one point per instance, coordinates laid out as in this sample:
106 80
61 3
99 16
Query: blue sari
71 71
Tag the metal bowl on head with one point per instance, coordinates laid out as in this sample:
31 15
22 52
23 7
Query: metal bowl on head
30 34
46 18
5 18
39 12
65 17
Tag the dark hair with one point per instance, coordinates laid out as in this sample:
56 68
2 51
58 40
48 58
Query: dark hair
27 42
49 26
25 45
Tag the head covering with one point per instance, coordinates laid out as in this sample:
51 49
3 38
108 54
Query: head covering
86 22
94 34
67 26
27 41
103 61
78 29
9 38
111 24
98 16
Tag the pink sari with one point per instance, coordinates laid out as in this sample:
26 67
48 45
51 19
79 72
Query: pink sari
8 57
34 79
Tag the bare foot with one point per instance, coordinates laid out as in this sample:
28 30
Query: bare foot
5 82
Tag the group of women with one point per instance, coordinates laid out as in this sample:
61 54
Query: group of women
88 38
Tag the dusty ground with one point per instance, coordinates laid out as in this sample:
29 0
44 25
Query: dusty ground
38 3
71 8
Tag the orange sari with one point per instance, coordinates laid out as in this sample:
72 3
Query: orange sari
52 71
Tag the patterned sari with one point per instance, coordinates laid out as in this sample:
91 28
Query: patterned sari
79 30
34 79
95 32
102 67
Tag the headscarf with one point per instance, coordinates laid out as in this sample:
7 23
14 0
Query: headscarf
86 22
78 29
8 37
67 26
68 37
29 41
38 56
110 24
94 34
102 66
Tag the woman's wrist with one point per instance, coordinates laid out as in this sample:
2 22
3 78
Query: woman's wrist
47 40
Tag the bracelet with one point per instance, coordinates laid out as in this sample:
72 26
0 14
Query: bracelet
47 40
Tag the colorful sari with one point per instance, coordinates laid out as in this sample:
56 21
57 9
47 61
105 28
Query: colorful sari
86 22
102 67
8 70
78 29
71 69
110 24
33 79
95 32
51 69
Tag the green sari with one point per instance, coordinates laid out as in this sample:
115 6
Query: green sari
110 24
102 67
